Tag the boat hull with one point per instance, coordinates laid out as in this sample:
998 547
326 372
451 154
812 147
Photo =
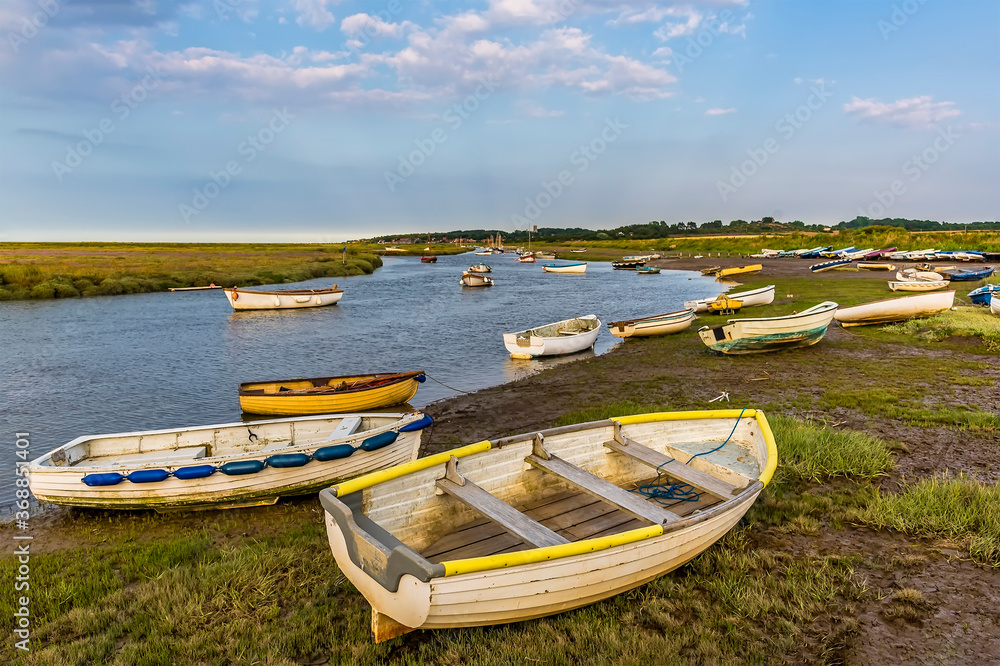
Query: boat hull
540 342
917 285
740 270
762 296
829 265
568 268
752 336
896 309
159 450
875 266
267 398
286 299
982 295
995 304
476 280
665 324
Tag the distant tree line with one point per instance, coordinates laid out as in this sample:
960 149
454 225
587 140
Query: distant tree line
661 229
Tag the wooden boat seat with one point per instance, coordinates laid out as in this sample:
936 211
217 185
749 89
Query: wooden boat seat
567 331
512 520
601 488
166 456
345 428
675 469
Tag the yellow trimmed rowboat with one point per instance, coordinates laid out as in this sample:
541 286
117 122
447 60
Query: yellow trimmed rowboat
739 270
545 522
326 395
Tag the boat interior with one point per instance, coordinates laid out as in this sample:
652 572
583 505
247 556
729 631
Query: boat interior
321 385
561 328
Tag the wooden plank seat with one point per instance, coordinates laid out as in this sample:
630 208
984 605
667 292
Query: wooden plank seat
166 456
345 428
601 488
675 469
526 529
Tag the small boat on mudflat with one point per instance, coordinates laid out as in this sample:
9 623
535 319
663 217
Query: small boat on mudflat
475 280
282 299
630 265
562 337
711 270
329 395
579 267
969 276
751 336
762 296
664 324
896 309
875 266
982 295
545 522
223 466
911 274
739 270
995 304
829 265
917 285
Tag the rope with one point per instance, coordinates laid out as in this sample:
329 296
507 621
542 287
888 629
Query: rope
445 385
669 493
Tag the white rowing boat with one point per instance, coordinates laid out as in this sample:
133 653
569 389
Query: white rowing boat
896 309
506 531
223 466
562 337
579 267
664 324
751 336
475 280
282 299
762 296
917 285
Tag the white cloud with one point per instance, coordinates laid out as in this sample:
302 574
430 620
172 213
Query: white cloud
314 13
372 26
691 23
918 112
664 52
534 111
720 112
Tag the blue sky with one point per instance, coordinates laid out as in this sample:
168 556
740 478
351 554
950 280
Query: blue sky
319 120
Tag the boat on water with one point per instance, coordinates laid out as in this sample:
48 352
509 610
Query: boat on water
750 336
282 299
664 324
629 265
329 395
480 268
527 258
647 270
739 270
762 296
579 267
896 309
711 270
562 337
969 276
544 522
545 255
211 286
428 260
917 285
982 295
223 466
475 280
829 265
875 266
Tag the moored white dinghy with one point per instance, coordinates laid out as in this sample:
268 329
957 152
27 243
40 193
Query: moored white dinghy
223 466
896 309
664 324
413 541
917 285
475 280
562 337
579 267
762 296
281 299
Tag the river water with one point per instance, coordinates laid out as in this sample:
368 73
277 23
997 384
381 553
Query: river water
147 361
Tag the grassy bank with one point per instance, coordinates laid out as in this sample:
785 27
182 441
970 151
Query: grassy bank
64 270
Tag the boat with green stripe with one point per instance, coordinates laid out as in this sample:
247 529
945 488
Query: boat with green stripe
765 334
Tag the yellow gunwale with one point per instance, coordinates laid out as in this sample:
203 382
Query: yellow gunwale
492 562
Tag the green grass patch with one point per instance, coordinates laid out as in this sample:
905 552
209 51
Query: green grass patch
963 321
959 509
816 453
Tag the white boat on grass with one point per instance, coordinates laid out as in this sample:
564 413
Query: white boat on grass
995 304
762 296
917 285
223 466
579 267
914 274
282 299
751 336
664 324
542 523
896 309
562 337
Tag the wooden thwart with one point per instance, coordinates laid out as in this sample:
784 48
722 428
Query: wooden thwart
674 468
498 511
599 487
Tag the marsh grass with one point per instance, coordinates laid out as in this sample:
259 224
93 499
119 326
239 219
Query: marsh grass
963 321
64 270
959 509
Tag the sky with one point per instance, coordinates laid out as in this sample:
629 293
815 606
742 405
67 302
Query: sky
327 120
